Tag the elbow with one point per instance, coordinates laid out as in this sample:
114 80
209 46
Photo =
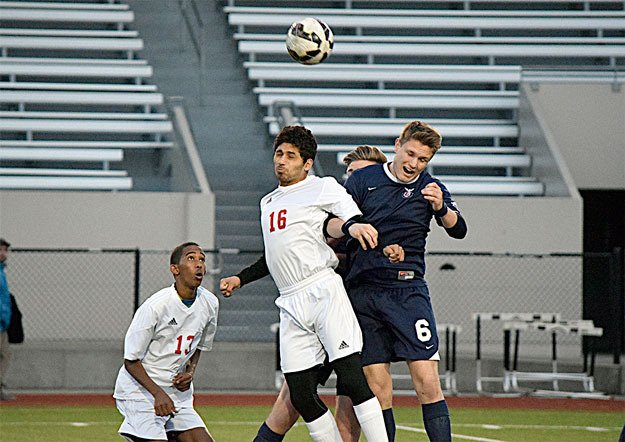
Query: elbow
459 230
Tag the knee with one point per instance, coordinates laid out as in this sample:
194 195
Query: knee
304 397
351 380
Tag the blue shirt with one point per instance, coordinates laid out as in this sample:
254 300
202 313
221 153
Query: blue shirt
5 300
401 216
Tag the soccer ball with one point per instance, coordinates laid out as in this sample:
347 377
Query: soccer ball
309 41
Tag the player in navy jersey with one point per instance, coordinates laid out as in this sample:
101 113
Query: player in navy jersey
391 300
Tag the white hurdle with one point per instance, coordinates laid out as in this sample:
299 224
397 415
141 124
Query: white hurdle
521 317
586 376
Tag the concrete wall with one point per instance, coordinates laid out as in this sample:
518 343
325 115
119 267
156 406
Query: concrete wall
588 123
515 225
106 219
163 220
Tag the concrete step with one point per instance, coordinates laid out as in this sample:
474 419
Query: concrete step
238 227
237 212
242 242
239 301
238 197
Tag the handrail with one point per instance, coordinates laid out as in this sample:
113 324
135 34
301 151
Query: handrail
197 31
183 129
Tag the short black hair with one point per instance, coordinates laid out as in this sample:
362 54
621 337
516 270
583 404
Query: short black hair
177 253
299 137
4 243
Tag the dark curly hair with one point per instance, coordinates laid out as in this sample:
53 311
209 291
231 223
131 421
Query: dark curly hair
299 137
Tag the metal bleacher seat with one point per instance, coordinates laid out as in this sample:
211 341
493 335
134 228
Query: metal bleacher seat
390 127
67 12
452 4
390 99
489 53
382 75
73 91
420 19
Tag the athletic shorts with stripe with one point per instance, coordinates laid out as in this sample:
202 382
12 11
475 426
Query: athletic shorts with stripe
316 318
397 323
141 421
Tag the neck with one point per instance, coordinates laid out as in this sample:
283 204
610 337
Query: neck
185 292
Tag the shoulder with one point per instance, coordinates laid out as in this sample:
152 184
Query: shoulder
327 181
208 297
264 200
159 298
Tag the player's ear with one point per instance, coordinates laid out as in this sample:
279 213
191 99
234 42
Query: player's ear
397 144
308 164
173 268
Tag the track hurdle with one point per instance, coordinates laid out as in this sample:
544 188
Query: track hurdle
586 376
448 377
482 316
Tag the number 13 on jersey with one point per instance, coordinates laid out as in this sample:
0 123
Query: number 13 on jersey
277 220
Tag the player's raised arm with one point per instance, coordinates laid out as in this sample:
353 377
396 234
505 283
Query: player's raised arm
249 274
446 216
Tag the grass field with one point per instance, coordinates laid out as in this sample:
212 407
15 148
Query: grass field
239 424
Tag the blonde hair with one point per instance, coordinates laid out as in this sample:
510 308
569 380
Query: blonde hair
366 153
422 132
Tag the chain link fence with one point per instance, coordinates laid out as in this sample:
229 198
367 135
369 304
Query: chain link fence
91 295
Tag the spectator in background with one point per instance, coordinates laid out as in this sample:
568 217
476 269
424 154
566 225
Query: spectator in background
5 320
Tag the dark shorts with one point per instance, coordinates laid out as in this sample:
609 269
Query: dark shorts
397 323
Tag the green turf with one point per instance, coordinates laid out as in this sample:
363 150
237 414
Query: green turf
239 424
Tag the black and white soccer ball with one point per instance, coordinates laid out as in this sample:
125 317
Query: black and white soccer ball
309 41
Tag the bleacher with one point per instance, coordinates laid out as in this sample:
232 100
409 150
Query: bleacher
455 64
74 97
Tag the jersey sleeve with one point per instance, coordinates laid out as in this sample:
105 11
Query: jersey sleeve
208 335
140 333
335 199
352 185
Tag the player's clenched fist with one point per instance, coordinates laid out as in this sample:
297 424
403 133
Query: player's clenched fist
229 285
394 253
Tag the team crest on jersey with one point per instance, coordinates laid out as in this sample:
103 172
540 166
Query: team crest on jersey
407 192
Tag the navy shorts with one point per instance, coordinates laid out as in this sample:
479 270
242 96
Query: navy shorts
397 323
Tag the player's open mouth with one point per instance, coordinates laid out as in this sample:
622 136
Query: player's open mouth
408 171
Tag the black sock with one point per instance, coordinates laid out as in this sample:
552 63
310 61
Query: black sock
389 423
436 421
266 434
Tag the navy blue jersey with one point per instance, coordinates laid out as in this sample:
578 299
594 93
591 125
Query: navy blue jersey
401 215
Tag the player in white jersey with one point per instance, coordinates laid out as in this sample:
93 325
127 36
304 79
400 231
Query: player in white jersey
316 317
283 416
154 389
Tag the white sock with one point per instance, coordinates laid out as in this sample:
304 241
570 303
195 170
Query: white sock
324 429
369 414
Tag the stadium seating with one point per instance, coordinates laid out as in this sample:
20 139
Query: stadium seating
457 66
73 93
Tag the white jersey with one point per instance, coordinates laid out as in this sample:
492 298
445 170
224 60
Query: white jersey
292 219
163 335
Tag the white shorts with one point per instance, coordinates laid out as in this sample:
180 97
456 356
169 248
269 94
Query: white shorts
316 318
141 421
